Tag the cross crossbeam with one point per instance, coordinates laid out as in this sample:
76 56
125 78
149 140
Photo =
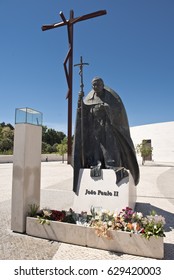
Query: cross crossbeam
72 21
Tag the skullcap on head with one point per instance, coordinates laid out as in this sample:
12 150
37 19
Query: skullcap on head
97 79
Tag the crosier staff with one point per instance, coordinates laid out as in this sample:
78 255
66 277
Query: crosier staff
81 95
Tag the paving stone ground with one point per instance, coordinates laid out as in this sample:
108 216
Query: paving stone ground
155 191
15 246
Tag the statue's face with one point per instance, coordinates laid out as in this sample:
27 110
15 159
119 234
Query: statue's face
97 86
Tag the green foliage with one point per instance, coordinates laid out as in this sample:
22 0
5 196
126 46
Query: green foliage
144 150
6 144
62 148
51 136
43 221
153 225
6 138
44 216
50 139
33 208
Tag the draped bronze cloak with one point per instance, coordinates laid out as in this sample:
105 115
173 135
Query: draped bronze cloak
102 135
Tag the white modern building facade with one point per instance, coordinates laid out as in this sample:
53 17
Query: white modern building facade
162 139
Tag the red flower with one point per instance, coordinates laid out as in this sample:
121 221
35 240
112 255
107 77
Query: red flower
57 215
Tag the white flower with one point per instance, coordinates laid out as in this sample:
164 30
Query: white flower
156 219
150 218
159 219
104 211
47 213
109 223
139 215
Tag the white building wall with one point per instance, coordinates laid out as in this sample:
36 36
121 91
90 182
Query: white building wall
162 139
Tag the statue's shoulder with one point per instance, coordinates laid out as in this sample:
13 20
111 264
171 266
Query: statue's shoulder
109 95
88 99
113 93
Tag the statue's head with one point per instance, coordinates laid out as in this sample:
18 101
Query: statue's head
97 84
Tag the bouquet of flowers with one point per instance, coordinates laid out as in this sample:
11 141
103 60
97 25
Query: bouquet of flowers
129 221
104 221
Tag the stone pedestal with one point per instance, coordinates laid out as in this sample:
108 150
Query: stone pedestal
104 192
26 173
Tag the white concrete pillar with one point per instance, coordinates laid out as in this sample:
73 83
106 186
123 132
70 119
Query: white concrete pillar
26 173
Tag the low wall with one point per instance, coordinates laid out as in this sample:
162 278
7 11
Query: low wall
6 158
52 157
44 157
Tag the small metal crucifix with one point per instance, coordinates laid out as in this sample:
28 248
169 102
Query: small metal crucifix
69 58
81 64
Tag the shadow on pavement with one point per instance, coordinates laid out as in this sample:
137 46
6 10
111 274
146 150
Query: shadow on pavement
168 251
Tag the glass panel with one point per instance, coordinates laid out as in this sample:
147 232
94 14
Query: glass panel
28 115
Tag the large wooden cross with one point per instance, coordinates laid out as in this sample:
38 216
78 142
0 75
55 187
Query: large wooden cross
69 58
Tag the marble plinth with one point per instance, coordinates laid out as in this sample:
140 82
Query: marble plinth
104 192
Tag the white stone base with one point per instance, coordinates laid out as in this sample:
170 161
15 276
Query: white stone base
104 192
122 242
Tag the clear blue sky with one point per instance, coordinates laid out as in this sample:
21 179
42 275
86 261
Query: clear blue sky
131 48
